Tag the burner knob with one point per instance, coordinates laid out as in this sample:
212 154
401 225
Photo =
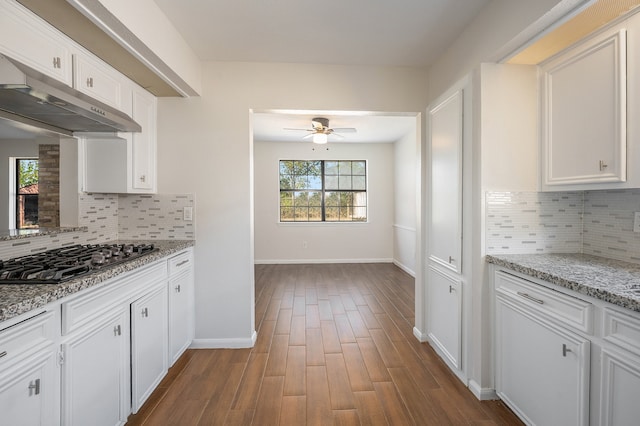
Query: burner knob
98 258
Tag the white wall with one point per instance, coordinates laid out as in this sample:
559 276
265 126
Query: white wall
325 242
406 167
11 148
204 147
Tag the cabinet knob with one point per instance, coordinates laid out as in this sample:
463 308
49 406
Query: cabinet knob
145 312
565 350
56 62
450 259
177 288
603 166
117 331
90 82
451 289
34 387
143 178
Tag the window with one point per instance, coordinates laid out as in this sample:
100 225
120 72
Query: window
323 191
26 193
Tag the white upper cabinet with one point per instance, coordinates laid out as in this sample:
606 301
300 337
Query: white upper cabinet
583 114
98 80
28 39
144 143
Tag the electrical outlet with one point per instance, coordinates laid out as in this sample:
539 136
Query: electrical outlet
187 213
636 222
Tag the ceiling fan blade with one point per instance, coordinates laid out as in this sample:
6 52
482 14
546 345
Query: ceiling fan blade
309 136
296 129
339 136
344 129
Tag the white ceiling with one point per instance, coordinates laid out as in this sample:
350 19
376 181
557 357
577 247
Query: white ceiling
348 32
370 128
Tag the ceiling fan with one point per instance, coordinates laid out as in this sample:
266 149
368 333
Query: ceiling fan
320 130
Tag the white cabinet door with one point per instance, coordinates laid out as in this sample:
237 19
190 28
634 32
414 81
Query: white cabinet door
445 227
29 390
144 143
180 313
542 371
584 113
620 384
148 344
99 81
95 385
444 315
30 40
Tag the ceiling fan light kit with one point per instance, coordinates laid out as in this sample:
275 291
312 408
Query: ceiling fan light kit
320 131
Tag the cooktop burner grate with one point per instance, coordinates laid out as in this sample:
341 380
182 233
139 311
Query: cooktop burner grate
62 264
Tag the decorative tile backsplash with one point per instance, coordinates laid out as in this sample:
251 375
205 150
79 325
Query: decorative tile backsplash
155 217
109 217
590 222
608 224
532 222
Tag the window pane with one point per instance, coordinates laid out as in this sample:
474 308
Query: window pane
330 167
286 214
286 182
360 214
315 199
286 199
344 168
315 214
332 199
301 199
345 214
314 182
301 214
300 167
360 199
359 182
332 214
286 167
315 168
331 182
346 199
345 182
358 168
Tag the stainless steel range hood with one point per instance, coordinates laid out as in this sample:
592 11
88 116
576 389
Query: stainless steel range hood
33 99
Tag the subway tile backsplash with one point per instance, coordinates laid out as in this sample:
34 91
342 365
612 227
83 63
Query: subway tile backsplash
532 222
155 217
590 222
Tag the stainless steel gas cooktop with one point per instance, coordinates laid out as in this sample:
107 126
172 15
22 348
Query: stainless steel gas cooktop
62 264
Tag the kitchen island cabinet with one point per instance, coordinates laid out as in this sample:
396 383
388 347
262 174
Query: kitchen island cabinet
593 305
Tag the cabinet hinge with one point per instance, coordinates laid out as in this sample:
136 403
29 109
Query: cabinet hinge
60 357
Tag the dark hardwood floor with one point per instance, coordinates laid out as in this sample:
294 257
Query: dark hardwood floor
335 347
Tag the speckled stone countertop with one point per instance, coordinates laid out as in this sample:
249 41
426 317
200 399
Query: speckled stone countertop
610 280
18 299
16 234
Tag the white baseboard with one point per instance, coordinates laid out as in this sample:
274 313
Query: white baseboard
483 394
307 261
422 337
233 343
404 268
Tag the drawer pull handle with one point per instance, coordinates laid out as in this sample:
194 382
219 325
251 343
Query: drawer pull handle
450 259
34 387
117 331
3 354
603 165
565 349
90 82
145 312
451 289
533 299
177 288
182 263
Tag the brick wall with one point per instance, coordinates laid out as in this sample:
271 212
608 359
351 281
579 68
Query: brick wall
49 186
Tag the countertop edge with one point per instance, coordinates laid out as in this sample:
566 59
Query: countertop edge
607 295
26 300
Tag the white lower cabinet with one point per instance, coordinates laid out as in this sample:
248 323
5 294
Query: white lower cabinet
180 304
444 311
542 369
148 344
95 372
620 385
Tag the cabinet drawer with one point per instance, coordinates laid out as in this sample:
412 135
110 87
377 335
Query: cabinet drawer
568 310
621 329
21 338
84 309
180 262
97 80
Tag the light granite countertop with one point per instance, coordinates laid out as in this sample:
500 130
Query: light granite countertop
16 299
610 280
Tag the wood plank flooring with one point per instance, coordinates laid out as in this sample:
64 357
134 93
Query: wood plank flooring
335 347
